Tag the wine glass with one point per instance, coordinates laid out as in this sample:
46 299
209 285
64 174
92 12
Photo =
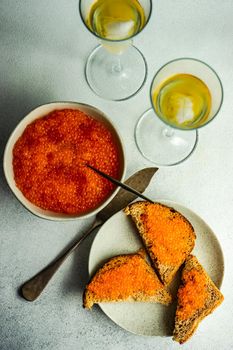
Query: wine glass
115 70
186 94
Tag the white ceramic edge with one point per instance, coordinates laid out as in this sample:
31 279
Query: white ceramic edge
168 203
37 113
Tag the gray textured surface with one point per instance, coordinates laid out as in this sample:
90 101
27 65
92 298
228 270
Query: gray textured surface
43 47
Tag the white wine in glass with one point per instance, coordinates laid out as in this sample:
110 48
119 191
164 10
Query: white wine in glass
116 20
116 70
186 94
183 101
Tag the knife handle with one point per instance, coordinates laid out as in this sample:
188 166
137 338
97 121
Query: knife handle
31 289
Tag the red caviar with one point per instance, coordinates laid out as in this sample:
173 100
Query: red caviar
193 294
169 233
124 280
49 162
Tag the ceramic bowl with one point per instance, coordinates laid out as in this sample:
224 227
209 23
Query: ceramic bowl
38 113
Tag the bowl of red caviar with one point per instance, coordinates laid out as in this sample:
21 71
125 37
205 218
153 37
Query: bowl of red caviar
46 157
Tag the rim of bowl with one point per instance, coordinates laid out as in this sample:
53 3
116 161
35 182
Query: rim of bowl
26 120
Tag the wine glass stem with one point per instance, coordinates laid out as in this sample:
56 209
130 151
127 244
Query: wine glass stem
168 132
116 50
117 66
116 47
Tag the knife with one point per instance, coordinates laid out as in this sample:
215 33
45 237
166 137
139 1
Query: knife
31 289
119 183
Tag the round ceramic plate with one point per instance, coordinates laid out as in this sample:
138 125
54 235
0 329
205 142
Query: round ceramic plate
118 236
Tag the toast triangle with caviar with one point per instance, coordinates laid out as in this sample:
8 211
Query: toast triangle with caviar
197 298
167 236
126 278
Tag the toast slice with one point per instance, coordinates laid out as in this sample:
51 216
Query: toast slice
167 236
126 278
197 297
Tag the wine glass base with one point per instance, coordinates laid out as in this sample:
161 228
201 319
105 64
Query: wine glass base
116 76
161 144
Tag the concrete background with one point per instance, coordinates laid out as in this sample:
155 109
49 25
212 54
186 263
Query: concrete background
43 48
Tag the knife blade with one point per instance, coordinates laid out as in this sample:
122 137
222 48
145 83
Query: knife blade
140 181
119 183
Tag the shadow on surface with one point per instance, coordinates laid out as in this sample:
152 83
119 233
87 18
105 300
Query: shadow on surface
79 264
45 37
169 314
78 276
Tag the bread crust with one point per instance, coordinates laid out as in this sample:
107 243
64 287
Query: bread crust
185 328
166 272
161 295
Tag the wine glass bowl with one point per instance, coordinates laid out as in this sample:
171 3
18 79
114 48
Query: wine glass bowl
197 73
140 13
115 70
186 94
